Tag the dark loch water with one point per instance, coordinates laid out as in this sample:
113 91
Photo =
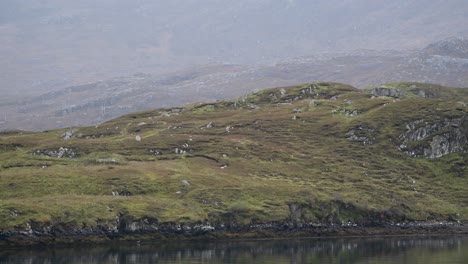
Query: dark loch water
349 250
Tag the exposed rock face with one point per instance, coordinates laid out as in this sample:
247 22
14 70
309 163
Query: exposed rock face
361 134
67 135
434 140
423 93
388 92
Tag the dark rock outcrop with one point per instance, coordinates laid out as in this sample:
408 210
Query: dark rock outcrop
387 92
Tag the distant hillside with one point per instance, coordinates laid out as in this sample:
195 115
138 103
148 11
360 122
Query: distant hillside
51 44
309 155
443 62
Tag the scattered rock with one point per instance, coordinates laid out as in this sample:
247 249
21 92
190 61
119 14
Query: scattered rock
61 152
14 213
154 152
361 134
107 161
176 110
67 135
282 92
351 112
253 106
123 192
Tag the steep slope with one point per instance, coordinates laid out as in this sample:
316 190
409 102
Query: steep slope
316 153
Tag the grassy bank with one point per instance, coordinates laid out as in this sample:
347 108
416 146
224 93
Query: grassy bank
283 154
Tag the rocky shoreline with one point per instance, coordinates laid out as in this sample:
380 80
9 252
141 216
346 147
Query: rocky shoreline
171 231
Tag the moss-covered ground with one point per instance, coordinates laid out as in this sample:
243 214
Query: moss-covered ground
274 155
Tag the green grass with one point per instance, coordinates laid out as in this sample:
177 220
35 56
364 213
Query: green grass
258 170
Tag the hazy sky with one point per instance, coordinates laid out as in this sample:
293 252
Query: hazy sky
50 44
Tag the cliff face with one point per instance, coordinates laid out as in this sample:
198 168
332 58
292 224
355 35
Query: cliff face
426 139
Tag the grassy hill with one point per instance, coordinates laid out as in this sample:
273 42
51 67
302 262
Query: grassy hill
321 152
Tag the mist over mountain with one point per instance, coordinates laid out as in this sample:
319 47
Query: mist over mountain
51 44
443 62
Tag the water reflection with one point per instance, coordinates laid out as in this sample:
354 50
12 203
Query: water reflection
349 250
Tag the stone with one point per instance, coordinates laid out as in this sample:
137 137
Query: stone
107 160
185 183
61 152
424 139
351 112
282 92
361 134
138 138
383 91
68 134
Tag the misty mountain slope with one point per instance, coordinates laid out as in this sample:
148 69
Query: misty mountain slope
443 62
52 44
317 153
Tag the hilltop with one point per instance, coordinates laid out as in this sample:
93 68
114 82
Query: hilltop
312 154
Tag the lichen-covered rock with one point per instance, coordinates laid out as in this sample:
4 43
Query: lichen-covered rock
361 134
425 139
351 112
68 134
61 152
387 92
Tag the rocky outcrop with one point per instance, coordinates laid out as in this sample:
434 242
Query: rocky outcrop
383 91
362 134
68 134
424 139
61 152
